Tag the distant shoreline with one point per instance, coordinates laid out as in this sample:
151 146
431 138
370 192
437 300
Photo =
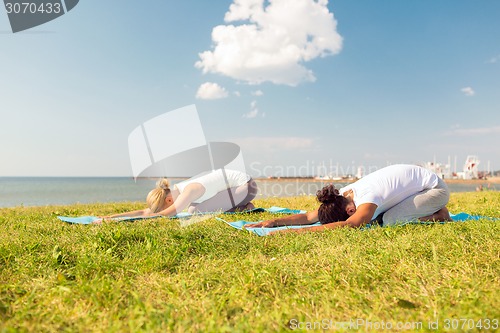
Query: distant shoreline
491 180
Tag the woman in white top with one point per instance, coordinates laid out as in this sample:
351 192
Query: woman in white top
392 195
219 190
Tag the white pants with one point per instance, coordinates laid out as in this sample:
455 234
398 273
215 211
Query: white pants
421 204
221 201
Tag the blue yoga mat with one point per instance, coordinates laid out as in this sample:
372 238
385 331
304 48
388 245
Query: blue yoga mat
460 217
91 219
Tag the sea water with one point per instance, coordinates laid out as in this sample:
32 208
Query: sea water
42 191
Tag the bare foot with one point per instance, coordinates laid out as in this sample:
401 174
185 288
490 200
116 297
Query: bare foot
248 206
445 214
441 215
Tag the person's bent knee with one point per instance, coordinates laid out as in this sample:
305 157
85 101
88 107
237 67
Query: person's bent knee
389 220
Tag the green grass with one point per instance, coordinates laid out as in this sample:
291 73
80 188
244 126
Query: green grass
155 276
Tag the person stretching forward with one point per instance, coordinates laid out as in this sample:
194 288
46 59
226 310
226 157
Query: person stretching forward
389 196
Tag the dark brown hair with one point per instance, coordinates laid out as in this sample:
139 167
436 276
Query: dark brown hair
333 205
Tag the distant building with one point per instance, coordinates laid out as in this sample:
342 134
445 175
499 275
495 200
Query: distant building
361 172
470 168
442 170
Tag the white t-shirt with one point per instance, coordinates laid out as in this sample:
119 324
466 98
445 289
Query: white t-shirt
214 182
390 185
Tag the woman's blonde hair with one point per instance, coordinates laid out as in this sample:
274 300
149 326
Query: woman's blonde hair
156 198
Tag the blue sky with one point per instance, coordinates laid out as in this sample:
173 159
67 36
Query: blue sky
376 82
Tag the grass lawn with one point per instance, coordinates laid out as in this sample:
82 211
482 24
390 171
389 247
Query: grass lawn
155 276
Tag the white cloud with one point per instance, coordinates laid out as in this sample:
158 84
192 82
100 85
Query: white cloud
252 114
274 40
457 131
237 93
254 111
468 91
257 93
493 60
210 90
275 144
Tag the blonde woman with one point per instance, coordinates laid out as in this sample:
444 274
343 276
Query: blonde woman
219 190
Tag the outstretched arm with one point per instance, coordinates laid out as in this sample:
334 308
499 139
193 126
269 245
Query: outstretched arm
135 213
362 216
192 192
298 219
